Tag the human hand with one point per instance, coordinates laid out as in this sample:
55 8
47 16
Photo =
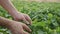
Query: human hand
23 17
18 28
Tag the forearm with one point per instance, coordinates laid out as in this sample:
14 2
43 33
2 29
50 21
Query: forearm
6 4
5 22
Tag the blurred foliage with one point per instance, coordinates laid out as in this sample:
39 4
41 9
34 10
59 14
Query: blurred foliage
45 16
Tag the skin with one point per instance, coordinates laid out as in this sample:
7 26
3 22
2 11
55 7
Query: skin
15 26
6 4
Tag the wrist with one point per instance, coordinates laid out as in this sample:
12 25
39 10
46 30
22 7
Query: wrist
5 22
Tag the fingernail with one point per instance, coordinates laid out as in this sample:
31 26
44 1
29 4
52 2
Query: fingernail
30 30
27 22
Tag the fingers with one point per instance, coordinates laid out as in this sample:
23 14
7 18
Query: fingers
26 32
25 21
25 18
26 28
28 19
17 29
22 32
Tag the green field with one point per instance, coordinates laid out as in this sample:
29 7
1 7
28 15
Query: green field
45 16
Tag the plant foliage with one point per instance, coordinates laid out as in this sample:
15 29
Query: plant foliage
45 16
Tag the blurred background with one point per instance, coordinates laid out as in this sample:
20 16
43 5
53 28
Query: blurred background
45 15
43 0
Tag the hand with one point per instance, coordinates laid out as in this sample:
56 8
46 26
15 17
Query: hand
24 17
18 28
